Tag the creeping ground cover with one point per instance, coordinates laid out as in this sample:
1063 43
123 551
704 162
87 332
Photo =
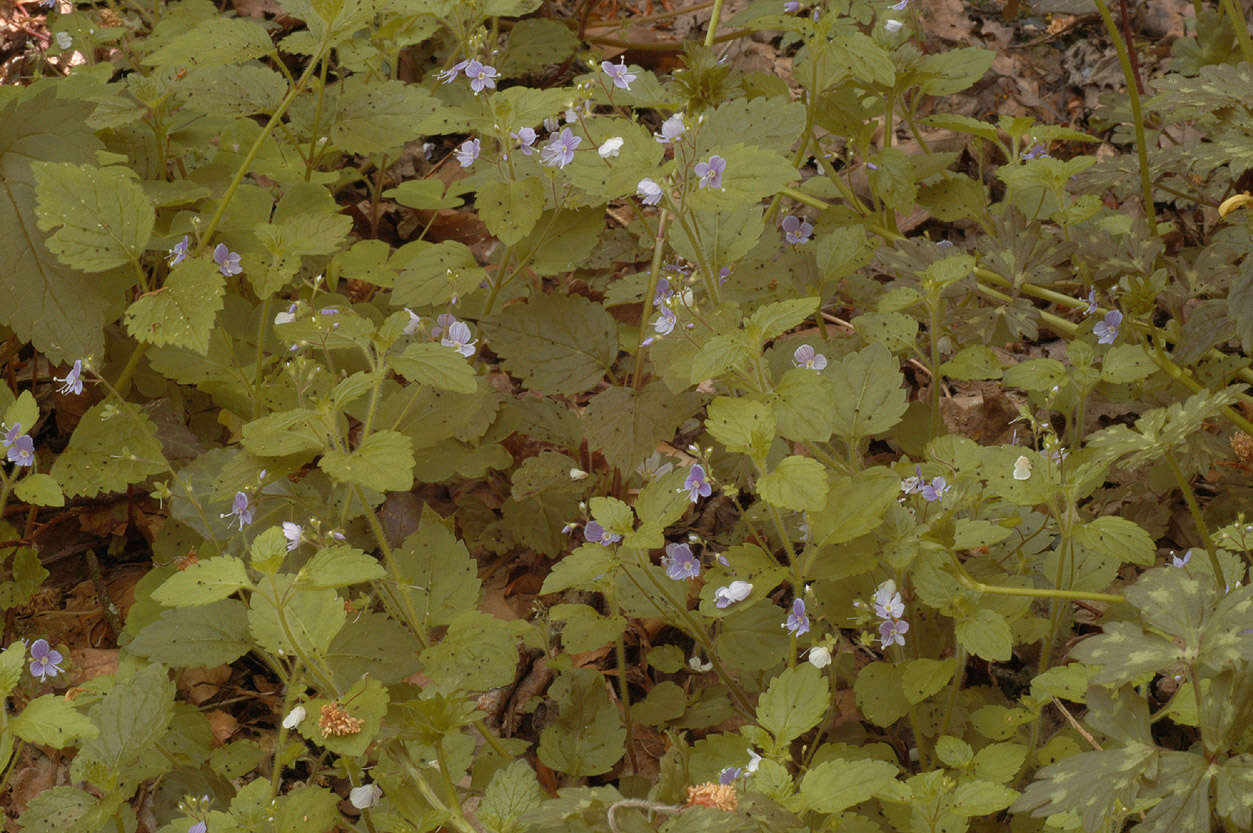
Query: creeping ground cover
505 416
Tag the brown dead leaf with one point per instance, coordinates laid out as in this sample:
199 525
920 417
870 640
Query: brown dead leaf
947 19
201 684
222 724
90 663
29 781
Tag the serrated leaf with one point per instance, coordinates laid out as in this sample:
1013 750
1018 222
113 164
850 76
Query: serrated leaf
834 786
438 572
182 312
340 566
953 70
973 362
986 635
879 694
61 810
1117 538
205 581
562 239
586 738
1127 363
558 344
434 364
511 209
719 355
796 483
922 678
233 90
855 505
803 403
512 791
741 425
751 174
722 237
873 399
380 116
535 43
585 629
310 618
12 663
382 462
1125 652
423 194
283 433
39 490
793 703
433 274
373 645
1092 784
110 448
131 718
626 425
583 569
194 637
51 720
953 752
1036 375
103 216
772 320
366 701
981 798
478 652
217 41
765 121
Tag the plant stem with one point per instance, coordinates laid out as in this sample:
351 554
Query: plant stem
713 23
1198 517
1236 16
654 277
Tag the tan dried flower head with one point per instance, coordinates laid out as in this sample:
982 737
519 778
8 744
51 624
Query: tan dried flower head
336 721
721 796
1242 445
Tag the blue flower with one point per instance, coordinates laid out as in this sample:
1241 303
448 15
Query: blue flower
459 339
468 152
241 511
671 129
73 381
796 229
710 172
664 325
449 75
805 357
481 76
559 151
597 534
797 622
622 77
178 253
1176 561
526 137
227 261
1106 330
934 490
696 484
21 449
680 563
45 660
648 191
729 774
1091 302
892 632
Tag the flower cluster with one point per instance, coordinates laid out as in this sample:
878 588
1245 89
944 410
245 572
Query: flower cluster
890 610
21 448
597 534
336 721
931 491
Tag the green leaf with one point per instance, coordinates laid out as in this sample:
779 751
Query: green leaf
111 448
375 646
131 718
23 411
873 399
1127 363
953 70
557 344
194 637
719 355
203 582
582 569
340 566
803 403
772 320
584 629
1118 538
741 425
973 362
217 41
1095 785
922 678
225 91
512 791
182 312
986 635
1036 375
103 216
793 704
855 505
423 194
51 720
953 752
663 703
436 365
477 653
310 618
511 209
434 273
999 762
954 196
382 462
879 694
440 577
562 240
534 44
841 251
981 798
607 179
723 237
380 116
834 786
39 490
766 121
61 810
626 425
751 174
284 433
586 738
12 663
797 483
59 310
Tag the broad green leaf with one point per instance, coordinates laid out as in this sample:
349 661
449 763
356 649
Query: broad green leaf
478 652
1036 375
1234 782
922 678
203 582
440 577
366 701
803 403
873 399
626 425
954 196
1127 363
722 237
1125 652
639 156
373 645
612 514
194 637
584 629
302 810
1226 640
237 758
953 752
1175 601
999 762
423 194
435 273
284 433
12 663
663 703
841 251
233 90
23 411
61 810
1095 785
380 116
981 798
512 791
434 364
664 500
382 462
340 566
103 217
879 694
834 786
557 344
310 618
1118 538
998 722
511 209
51 720
721 354
562 240
793 704
111 448
973 362
28 576
772 320
765 121
986 635
582 569
586 738
217 41
855 505
182 312
952 71
39 490
131 718
797 483
741 425
59 310
751 174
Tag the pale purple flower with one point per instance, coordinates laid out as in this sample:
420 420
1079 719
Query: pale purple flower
671 129
729 774
365 796
797 230
526 137
723 274
696 484
1091 302
73 381
551 124
21 451
736 591
328 311
178 253
944 244
900 7
663 290
459 339
887 601
597 534
723 560
797 622
892 632
227 261
664 325
442 322
12 433
621 76
292 532
481 76
806 357
468 152
449 75
792 6
1106 330
199 827
680 563
710 172
648 191
45 661
1037 151
559 151
415 321
934 490
1176 561
241 511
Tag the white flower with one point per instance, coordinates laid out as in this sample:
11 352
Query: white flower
893 26
671 129
648 191
819 657
1022 468
64 40
577 474
415 321
696 665
611 148
365 796
753 760
736 591
294 718
292 533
